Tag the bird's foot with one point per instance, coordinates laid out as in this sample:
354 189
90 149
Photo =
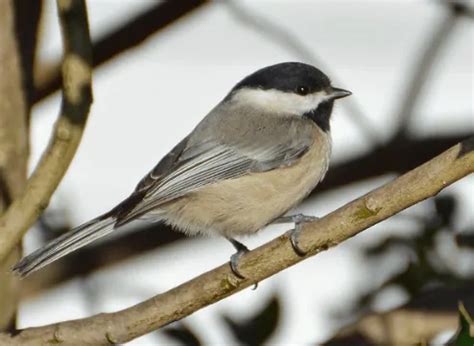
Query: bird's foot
235 258
299 220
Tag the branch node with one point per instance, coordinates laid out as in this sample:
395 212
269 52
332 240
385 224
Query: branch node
110 339
57 339
230 282
77 74
367 209
63 132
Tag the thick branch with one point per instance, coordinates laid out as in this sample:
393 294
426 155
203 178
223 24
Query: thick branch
129 35
425 316
402 327
399 155
27 18
77 97
277 255
13 149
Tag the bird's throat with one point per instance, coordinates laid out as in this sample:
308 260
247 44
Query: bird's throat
321 115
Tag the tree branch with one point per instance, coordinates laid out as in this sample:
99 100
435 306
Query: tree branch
401 327
399 155
27 18
429 313
76 101
423 66
129 35
108 328
13 149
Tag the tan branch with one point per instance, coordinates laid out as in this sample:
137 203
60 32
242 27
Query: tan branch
273 257
403 327
427 314
76 101
13 149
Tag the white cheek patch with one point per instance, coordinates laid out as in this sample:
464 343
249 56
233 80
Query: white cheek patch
280 101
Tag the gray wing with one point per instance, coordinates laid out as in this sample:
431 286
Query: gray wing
195 163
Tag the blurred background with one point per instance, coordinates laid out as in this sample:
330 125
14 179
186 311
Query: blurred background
161 66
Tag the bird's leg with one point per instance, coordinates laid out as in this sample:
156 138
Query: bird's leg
298 219
234 259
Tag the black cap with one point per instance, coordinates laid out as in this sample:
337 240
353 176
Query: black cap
288 77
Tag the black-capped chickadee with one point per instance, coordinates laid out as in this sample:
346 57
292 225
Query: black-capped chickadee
255 156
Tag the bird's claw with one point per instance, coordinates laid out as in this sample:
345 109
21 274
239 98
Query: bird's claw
234 262
294 234
294 240
235 258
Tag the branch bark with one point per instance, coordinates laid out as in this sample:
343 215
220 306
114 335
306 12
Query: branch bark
76 101
109 328
397 156
13 150
426 315
402 327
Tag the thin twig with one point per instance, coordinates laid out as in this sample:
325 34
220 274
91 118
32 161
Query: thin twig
76 101
111 328
421 70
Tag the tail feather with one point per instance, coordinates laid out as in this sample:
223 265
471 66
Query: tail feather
65 244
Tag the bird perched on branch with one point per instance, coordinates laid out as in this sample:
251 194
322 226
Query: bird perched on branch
255 156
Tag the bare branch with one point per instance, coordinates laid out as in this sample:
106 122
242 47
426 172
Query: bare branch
27 18
399 155
431 312
76 101
13 149
422 68
402 327
109 328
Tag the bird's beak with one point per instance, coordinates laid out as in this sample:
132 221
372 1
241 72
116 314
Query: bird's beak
337 93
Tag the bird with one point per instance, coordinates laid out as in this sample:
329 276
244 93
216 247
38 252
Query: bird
249 161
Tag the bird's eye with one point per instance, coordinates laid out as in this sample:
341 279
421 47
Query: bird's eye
302 90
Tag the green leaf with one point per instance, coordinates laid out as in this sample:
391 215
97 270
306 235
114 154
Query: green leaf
463 336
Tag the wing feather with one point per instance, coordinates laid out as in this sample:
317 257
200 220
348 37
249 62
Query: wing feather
227 144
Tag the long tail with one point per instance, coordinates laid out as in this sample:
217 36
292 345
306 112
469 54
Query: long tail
61 246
